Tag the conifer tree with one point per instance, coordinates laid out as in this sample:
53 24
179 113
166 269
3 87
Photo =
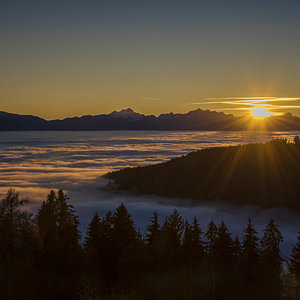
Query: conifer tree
60 255
223 261
250 263
153 230
67 220
197 232
295 258
192 244
46 215
93 235
11 208
154 242
100 248
236 268
223 245
46 220
16 246
272 260
124 245
187 242
198 244
294 264
11 219
236 250
211 236
270 247
124 231
250 246
97 262
173 229
68 234
107 227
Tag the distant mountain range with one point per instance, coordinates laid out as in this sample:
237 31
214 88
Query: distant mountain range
127 119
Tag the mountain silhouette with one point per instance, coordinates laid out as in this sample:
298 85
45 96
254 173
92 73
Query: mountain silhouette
127 119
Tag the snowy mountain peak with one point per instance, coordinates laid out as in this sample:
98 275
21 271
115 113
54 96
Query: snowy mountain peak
128 114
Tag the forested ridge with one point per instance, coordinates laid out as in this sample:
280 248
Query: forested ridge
45 257
265 174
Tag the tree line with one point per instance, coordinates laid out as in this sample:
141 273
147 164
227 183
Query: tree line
46 257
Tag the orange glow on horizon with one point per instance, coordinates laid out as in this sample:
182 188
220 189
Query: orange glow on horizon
258 107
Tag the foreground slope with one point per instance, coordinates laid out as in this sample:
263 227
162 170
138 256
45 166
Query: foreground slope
264 174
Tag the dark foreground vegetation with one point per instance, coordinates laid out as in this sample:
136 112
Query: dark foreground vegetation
264 174
44 257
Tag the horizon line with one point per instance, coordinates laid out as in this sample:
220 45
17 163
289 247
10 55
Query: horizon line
155 115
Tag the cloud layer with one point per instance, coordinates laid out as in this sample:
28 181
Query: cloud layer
34 162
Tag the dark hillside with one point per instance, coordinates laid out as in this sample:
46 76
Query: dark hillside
14 122
264 174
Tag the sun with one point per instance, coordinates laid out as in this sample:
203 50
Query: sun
261 112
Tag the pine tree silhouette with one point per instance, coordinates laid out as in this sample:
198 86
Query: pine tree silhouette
187 243
193 246
124 243
250 263
294 265
173 229
272 260
223 246
211 236
250 246
198 243
16 246
153 230
46 220
60 252
169 264
93 235
124 231
236 250
270 245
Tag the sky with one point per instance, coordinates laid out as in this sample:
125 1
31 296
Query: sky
65 58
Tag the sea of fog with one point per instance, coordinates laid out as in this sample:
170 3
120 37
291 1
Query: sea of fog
35 162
